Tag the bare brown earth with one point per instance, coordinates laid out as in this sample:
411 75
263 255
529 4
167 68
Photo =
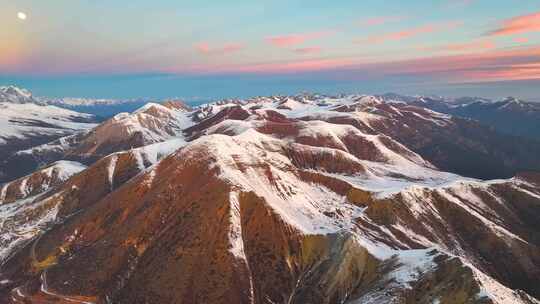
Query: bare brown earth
183 232
166 241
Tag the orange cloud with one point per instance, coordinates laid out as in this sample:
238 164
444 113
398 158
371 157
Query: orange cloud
412 32
295 39
519 25
204 48
521 39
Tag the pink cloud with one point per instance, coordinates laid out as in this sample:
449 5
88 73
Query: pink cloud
470 46
204 48
492 65
471 61
521 39
412 32
474 46
511 72
513 64
375 21
308 50
295 39
519 25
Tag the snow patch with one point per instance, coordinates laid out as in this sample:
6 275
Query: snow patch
111 168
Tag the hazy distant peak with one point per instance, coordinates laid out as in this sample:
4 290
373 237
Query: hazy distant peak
15 95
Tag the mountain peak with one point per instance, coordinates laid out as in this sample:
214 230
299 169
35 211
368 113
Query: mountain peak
15 95
512 103
512 99
176 104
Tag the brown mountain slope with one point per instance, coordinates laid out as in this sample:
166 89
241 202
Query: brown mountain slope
279 201
256 228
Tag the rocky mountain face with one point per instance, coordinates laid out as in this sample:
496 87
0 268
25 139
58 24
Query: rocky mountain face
509 116
304 199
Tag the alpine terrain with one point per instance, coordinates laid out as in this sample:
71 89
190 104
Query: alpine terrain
26 122
311 198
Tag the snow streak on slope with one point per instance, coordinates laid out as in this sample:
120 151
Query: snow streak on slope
21 221
40 181
300 204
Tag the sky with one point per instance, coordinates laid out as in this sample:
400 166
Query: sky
239 48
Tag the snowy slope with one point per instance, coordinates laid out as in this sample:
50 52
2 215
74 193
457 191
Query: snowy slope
31 120
15 95
39 181
153 123
22 213
298 199
26 123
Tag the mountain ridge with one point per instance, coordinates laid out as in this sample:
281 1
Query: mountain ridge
302 200
281 199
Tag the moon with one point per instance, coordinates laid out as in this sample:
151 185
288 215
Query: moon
21 15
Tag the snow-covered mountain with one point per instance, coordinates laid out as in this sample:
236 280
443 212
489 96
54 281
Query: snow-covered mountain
153 123
39 181
102 107
14 94
21 115
298 199
150 124
25 122
510 115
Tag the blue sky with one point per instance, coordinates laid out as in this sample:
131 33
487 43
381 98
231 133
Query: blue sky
211 49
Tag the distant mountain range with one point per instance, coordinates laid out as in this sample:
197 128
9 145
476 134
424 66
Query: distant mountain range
510 115
99 107
103 108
